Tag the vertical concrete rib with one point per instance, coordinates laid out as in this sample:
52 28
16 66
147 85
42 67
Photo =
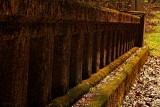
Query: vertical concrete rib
96 52
87 55
61 60
40 66
14 68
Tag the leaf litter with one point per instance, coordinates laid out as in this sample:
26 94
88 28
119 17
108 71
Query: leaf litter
146 90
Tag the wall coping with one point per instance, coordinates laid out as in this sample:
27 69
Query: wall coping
59 10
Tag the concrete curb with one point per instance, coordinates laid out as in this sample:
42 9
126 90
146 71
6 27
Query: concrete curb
112 93
78 91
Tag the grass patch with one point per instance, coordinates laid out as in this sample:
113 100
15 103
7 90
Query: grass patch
152 39
156 19
153 42
146 1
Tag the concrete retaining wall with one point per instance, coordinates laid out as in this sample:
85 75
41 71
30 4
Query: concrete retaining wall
50 46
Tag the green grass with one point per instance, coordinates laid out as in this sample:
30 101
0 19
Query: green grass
152 40
145 0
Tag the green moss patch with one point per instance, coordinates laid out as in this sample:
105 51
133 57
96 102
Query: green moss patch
108 90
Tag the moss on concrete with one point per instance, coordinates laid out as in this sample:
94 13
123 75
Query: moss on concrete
76 92
71 96
112 93
107 91
143 55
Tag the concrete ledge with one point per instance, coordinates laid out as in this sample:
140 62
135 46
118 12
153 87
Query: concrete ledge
61 10
78 91
112 93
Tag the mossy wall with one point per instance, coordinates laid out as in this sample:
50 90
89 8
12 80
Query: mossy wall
50 46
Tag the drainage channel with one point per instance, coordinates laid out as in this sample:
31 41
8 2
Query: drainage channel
112 83
86 100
